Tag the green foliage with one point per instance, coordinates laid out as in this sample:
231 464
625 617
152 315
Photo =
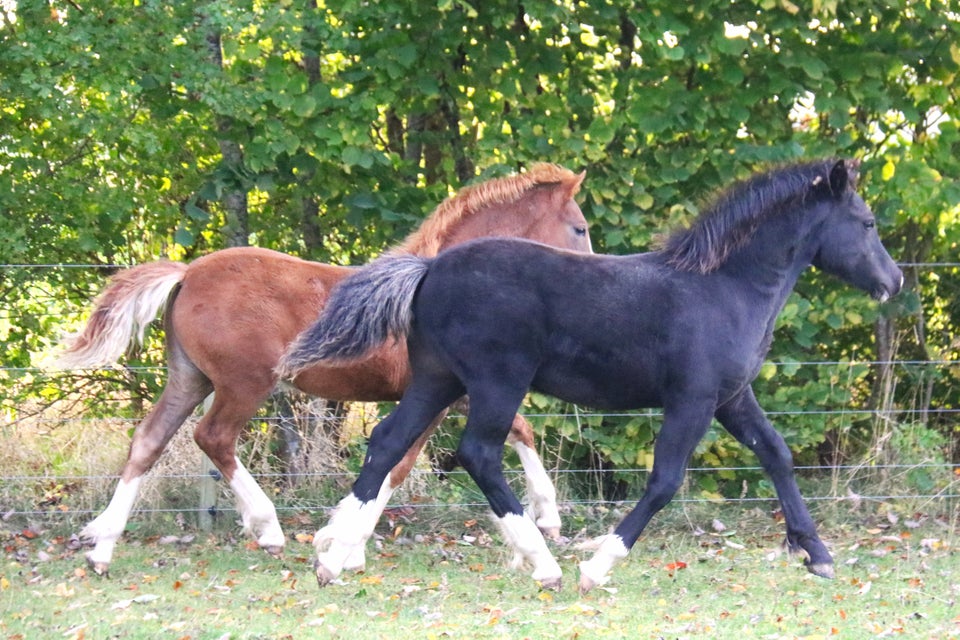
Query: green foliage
352 120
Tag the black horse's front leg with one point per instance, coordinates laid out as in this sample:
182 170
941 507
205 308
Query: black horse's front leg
683 427
745 420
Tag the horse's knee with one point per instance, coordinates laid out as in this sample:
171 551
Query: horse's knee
477 457
218 446
662 487
772 449
521 432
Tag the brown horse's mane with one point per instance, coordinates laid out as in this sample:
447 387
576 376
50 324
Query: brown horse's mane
729 221
429 237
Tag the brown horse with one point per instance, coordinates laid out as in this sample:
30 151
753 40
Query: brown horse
229 317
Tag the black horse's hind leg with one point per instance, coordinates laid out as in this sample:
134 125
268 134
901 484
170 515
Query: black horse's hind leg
343 538
683 427
744 419
481 454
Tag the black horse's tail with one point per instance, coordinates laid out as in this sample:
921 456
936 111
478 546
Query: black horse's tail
363 311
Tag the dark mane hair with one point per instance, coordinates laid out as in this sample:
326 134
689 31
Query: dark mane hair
729 221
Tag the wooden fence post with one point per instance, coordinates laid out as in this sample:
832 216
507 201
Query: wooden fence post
209 475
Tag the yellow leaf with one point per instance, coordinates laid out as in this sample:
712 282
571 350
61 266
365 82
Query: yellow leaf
378 579
328 609
889 169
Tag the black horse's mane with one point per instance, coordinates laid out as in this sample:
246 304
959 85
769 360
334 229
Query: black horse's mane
729 221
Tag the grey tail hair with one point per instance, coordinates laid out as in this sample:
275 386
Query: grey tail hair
364 310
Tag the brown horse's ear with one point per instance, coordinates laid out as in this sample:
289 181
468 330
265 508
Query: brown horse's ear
853 171
573 186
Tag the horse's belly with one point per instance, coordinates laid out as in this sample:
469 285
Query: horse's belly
612 390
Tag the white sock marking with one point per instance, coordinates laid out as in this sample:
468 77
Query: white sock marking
106 529
340 544
257 512
524 537
609 551
540 490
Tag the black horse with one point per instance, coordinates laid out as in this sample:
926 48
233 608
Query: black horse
685 328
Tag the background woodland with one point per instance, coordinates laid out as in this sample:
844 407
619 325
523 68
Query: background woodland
142 130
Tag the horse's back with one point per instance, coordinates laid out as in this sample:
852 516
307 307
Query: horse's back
603 331
545 315
241 307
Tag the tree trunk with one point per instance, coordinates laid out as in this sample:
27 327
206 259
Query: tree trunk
236 229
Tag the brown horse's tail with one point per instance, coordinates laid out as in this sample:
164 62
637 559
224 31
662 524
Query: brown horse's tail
122 311
364 310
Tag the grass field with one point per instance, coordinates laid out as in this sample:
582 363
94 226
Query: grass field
896 576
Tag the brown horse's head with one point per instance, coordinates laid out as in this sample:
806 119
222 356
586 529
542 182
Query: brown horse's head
538 205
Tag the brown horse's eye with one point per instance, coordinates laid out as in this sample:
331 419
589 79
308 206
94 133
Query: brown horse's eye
580 231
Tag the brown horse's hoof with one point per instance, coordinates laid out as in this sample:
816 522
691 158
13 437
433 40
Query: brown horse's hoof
824 570
551 584
102 569
585 585
324 575
551 533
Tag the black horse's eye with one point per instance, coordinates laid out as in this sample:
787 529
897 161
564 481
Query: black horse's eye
869 224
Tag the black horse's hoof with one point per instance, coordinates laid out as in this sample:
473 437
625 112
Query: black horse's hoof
822 569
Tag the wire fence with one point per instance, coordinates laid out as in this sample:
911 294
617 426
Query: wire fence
933 481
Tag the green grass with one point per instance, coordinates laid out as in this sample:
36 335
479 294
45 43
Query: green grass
898 579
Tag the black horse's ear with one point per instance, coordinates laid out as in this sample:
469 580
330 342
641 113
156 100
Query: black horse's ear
840 177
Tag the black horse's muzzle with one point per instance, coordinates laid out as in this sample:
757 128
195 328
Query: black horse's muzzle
886 291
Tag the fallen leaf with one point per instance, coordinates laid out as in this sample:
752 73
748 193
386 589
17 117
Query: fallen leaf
145 598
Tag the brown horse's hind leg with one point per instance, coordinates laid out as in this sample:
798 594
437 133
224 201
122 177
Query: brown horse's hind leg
216 434
186 388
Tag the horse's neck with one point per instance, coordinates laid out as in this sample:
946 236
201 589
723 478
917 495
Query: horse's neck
771 263
430 239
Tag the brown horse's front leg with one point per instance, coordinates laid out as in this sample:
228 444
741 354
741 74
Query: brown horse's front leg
400 472
541 493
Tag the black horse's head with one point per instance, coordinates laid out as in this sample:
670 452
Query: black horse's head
850 247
